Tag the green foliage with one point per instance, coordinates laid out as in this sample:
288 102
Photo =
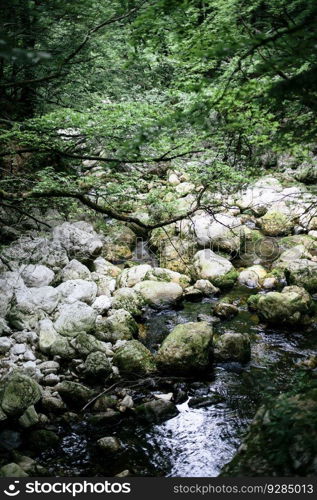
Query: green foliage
136 84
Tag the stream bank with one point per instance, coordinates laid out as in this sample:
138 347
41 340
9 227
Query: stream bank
145 370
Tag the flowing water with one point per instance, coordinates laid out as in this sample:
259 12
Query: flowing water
200 440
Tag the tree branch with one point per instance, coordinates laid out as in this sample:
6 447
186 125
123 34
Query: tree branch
66 154
88 202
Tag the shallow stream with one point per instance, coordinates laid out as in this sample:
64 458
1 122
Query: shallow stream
200 440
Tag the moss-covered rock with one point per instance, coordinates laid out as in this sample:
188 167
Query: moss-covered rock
225 310
298 239
119 325
253 276
227 280
159 294
29 418
156 411
12 470
133 358
73 393
186 349
162 274
217 269
118 242
17 393
86 344
51 342
301 272
176 253
232 347
275 223
292 306
128 299
282 439
97 365
109 445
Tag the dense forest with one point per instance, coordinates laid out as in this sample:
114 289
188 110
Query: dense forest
158 243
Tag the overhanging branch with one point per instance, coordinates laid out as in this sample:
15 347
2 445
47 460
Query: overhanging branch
88 202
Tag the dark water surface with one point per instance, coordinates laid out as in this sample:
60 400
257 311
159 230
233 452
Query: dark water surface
199 441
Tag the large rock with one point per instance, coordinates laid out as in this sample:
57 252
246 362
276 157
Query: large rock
275 223
75 318
109 445
79 240
102 304
18 392
36 275
32 304
295 253
252 277
75 394
29 418
86 344
282 439
12 470
62 348
128 299
36 251
119 325
9 283
51 342
162 274
221 231
97 365
268 193
5 344
75 270
118 242
201 288
47 335
290 307
84 291
176 253
218 270
159 294
132 276
186 349
102 266
301 272
156 411
232 347
289 242
185 188
225 310
133 358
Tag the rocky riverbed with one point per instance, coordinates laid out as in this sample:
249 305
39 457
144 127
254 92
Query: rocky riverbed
114 360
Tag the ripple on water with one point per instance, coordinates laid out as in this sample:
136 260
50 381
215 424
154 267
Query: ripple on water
193 438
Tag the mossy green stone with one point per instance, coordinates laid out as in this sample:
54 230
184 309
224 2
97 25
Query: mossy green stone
186 349
282 440
18 393
232 347
276 224
291 306
227 280
134 358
